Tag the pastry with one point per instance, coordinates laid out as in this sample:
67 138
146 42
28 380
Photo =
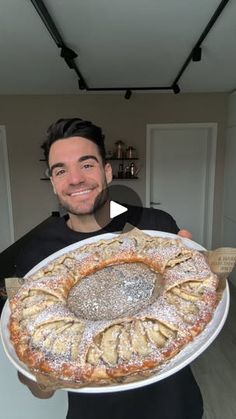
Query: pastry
113 310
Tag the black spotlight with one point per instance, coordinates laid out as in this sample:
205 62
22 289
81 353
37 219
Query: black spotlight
82 85
176 89
197 54
128 94
69 55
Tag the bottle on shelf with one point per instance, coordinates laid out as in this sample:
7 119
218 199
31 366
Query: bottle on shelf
132 169
127 172
121 171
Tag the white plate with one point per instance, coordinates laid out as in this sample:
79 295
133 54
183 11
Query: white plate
187 355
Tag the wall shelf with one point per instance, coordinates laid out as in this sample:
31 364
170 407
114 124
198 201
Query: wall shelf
123 167
125 178
122 158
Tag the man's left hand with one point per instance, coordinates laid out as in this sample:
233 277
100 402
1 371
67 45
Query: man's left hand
185 233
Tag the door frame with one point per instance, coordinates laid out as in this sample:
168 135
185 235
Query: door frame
7 180
211 157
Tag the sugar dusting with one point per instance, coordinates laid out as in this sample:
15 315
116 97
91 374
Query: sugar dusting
195 268
122 295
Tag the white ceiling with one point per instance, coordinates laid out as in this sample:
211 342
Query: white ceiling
120 43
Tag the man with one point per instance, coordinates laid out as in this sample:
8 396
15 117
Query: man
75 153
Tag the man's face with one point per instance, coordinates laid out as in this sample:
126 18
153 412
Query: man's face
78 175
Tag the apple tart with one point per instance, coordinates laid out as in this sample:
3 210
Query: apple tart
112 310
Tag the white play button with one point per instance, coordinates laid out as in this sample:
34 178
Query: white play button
115 215
116 209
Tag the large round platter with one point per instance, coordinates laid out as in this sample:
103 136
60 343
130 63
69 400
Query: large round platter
185 357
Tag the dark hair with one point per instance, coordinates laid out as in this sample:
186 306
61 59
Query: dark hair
73 127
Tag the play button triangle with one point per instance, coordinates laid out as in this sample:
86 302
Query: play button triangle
116 209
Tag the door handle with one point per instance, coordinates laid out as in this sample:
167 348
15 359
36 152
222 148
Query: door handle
155 203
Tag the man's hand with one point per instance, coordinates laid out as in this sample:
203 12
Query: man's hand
34 388
185 233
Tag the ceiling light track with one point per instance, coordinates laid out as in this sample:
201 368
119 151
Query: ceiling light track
197 50
69 55
66 53
128 90
48 22
100 89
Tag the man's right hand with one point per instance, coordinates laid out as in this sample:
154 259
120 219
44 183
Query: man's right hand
34 388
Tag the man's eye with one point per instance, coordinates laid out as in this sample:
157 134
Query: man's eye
88 166
59 172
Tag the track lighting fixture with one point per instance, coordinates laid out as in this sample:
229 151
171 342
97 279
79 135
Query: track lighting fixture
128 94
197 54
176 89
69 55
82 85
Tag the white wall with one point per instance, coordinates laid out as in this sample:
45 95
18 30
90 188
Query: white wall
229 210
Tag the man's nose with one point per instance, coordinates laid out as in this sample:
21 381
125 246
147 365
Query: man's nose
76 175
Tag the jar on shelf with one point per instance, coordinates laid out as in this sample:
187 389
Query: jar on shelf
130 152
120 149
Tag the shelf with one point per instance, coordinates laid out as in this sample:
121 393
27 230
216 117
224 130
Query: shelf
125 178
122 159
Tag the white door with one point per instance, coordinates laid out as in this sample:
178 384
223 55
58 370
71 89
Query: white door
180 175
6 223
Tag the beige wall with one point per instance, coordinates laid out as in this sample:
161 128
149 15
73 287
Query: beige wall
229 208
26 119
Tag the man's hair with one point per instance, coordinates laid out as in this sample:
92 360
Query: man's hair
74 127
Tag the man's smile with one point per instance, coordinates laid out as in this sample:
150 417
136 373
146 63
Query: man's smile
80 192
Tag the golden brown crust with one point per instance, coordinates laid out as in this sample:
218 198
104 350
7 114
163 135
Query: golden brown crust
50 339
